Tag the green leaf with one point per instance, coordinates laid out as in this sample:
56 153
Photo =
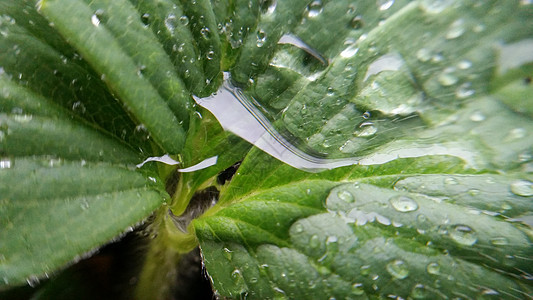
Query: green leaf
401 233
425 95
106 44
44 228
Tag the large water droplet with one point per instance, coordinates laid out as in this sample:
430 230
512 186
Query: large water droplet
345 196
403 203
398 269
522 188
463 235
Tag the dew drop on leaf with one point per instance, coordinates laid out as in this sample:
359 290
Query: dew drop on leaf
522 188
433 268
384 4
228 254
419 291
398 269
5 163
463 235
184 20
456 29
446 78
357 289
477 116
32 280
145 18
314 9
464 64
346 196
464 90
403 204
314 242
499 241
96 18
423 55
356 22
298 228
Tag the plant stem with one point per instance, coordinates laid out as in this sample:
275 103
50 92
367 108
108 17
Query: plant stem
158 277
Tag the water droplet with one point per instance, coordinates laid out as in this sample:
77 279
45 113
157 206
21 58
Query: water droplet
145 18
32 280
184 20
384 4
477 116
456 29
450 181
314 242
522 188
357 289
423 55
205 32
261 38
314 8
398 269
356 22
403 204
210 55
96 17
22 118
463 235
349 51
419 291
433 268
499 241
78 107
517 133
464 64
298 228
5 163
464 90
346 196
84 204
435 6
446 78
268 6
228 254
366 129
237 276
365 270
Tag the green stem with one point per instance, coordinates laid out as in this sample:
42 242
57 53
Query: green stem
158 276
